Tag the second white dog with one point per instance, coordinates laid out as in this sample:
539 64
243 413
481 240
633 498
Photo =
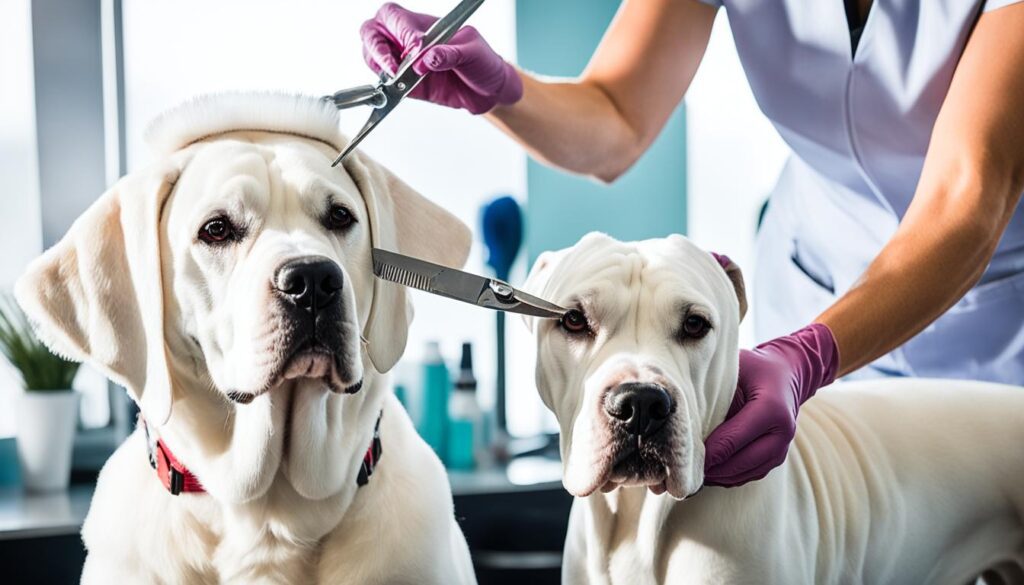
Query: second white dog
911 481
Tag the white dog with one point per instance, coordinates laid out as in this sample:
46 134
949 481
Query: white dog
229 288
902 482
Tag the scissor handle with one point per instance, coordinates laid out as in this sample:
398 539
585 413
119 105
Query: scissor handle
370 95
442 31
392 90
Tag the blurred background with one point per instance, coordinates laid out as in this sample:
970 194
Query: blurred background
81 79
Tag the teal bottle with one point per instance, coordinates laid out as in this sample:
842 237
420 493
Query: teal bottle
433 425
464 420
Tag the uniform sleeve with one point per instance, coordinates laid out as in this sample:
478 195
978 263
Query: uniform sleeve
718 3
994 4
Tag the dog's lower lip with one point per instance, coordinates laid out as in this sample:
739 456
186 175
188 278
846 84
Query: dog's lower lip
631 467
241 397
658 489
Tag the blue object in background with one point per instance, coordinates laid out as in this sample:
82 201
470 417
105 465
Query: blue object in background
460 445
501 223
502 226
465 432
558 38
10 473
433 425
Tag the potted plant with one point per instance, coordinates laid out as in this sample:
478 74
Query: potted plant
47 411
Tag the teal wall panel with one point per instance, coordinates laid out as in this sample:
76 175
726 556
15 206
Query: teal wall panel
558 38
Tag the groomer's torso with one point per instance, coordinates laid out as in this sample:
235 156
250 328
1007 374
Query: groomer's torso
859 121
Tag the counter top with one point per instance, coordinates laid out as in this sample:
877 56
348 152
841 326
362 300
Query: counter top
33 515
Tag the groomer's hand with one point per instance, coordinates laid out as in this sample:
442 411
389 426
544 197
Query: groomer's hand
464 73
775 378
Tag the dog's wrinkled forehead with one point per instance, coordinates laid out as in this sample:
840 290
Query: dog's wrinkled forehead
601 265
247 147
238 173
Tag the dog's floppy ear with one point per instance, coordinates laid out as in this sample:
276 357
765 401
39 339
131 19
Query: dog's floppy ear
732 270
403 221
96 296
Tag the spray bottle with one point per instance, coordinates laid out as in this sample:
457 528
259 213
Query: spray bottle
433 425
464 426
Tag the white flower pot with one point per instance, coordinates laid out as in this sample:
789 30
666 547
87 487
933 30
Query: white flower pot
46 434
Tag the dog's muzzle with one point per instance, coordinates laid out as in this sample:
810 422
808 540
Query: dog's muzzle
309 290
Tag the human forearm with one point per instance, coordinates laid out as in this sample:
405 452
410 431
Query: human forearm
600 123
573 125
939 252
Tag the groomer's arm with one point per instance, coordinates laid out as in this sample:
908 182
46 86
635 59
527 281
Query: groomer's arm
600 123
970 186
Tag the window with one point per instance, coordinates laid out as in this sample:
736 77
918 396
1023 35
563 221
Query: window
19 193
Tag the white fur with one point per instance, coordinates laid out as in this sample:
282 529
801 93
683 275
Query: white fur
206 116
887 482
134 291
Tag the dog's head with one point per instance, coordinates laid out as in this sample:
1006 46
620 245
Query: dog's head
644 366
240 259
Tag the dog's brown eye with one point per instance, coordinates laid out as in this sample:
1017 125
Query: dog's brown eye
695 327
574 322
338 218
217 230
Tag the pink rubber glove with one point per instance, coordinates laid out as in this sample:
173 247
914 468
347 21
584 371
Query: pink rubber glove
775 378
464 73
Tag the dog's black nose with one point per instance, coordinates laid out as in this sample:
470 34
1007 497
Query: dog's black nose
310 283
642 408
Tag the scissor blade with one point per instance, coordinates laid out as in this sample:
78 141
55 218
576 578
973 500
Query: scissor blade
375 118
538 307
429 277
461 286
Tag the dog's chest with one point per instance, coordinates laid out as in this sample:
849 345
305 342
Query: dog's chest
626 564
277 539
264 552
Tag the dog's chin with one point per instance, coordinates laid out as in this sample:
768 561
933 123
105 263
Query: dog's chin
317 364
321 364
630 468
309 364
665 482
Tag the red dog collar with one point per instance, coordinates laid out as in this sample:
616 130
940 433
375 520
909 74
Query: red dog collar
175 476
178 479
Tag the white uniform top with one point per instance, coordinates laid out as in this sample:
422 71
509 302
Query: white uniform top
859 124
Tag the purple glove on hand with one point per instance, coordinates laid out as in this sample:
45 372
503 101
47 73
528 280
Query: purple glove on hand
464 73
775 378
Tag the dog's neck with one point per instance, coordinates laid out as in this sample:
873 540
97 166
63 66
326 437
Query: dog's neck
630 531
299 433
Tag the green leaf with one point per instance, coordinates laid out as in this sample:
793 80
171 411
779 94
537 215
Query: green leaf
40 368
